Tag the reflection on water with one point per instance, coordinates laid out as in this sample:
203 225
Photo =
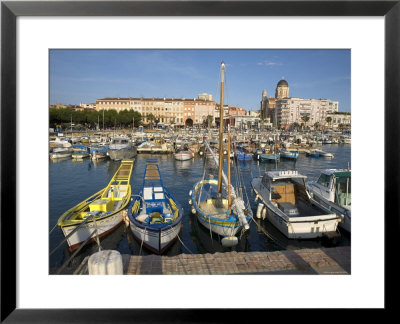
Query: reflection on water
71 182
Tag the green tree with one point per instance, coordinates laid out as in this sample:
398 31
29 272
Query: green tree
305 119
328 120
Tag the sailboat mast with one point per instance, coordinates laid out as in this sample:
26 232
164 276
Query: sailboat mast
229 173
221 129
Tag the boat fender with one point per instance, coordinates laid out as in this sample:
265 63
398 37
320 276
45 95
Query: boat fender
190 192
264 212
190 201
259 208
106 262
255 200
193 210
229 241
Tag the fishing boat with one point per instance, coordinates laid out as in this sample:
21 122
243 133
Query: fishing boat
101 213
121 148
333 190
289 155
214 201
183 154
60 153
85 139
286 203
155 216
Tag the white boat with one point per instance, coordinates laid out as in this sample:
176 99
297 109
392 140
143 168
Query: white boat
60 142
121 148
333 190
287 205
60 153
324 154
183 154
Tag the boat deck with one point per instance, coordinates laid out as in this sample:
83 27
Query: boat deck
209 208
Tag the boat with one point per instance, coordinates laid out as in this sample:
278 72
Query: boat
99 152
59 142
121 148
81 154
324 154
312 153
85 139
183 154
289 155
155 216
286 203
270 157
333 190
242 154
101 213
214 201
60 153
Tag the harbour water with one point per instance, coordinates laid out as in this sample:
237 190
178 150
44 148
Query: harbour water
72 181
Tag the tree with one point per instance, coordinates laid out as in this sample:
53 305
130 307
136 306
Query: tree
316 125
150 118
295 126
328 120
305 119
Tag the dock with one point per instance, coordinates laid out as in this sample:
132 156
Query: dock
323 261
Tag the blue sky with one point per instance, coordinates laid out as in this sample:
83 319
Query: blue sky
86 75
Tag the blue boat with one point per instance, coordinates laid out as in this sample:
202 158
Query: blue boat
155 216
313 154
290 155
272 157
242 154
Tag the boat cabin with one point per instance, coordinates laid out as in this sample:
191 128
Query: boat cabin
336 185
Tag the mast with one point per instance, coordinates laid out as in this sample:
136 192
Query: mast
229 173
221 129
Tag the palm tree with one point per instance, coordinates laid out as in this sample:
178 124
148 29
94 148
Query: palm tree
305 119
328 120
150 118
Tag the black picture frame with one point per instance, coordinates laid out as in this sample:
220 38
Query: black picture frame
10 10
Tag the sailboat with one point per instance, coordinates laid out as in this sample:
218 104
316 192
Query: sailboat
214 201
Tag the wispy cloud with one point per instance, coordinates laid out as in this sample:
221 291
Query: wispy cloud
269 63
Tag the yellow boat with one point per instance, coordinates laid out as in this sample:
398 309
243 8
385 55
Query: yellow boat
103 211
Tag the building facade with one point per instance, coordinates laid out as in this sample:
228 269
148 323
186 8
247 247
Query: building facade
164 110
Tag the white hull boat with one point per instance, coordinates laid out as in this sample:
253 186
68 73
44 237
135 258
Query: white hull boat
333 191
286 204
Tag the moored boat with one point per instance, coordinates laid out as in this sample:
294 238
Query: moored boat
60 153
214 201
333 190
271 157
324 154
183 154
287 205
289 155
99 152
101 213
155 216
121 148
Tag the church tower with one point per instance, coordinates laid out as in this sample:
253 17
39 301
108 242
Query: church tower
282 89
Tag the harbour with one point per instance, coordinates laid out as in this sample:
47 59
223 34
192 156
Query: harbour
71 180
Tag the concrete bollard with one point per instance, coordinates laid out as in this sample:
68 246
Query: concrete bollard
108 262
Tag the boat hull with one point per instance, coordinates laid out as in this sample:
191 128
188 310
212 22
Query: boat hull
104 227
122 154
183 156
300 227
156 240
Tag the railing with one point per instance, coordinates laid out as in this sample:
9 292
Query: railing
96 231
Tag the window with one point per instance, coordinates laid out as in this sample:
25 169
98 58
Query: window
324 180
